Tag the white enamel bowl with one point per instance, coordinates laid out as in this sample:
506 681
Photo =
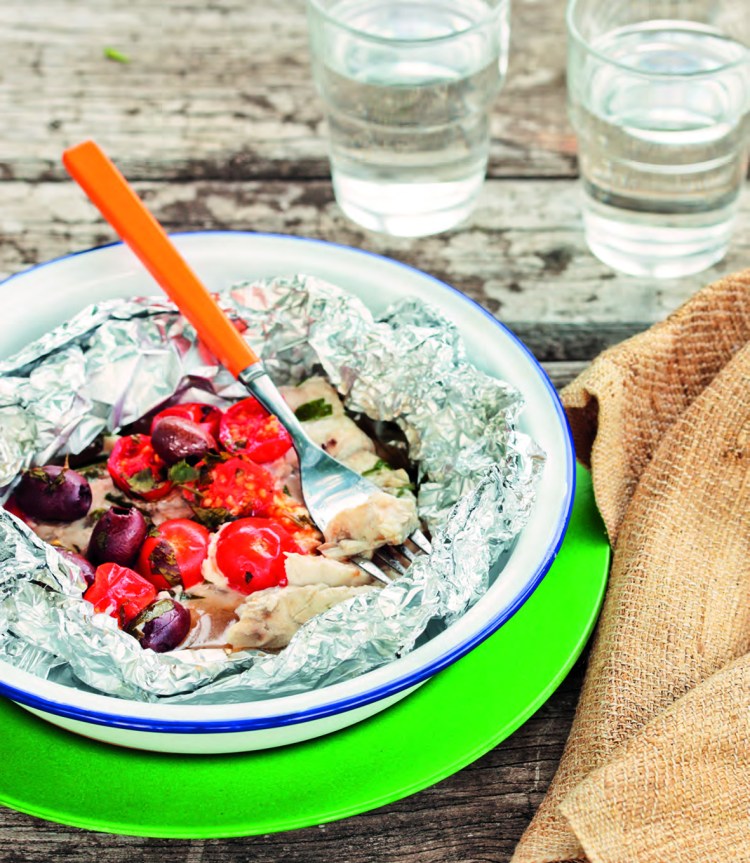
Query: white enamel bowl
41 298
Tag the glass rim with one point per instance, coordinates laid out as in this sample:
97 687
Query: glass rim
574 32
389 40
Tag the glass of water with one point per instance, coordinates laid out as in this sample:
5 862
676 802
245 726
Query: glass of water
407 87
659 92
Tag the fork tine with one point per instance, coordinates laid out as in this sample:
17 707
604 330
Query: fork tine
405 551
421 541
383 557
370 568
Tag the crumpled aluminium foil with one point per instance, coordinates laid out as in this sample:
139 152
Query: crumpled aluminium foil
116 361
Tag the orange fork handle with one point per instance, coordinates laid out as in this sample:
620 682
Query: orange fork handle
110 192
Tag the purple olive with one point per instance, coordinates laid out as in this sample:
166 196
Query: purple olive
117 536
53 493
177 439
87 455
161 625
88 571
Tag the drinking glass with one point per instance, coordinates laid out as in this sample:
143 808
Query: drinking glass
407 87
658 93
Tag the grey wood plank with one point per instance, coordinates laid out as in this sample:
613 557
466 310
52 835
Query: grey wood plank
223 90
521 255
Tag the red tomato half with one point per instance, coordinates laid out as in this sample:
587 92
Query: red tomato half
137 469
120 592
206 416
175 555
251 552
248 428
237 487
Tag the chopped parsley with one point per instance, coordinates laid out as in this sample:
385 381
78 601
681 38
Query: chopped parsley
406 489
211 517
183 472
317 409
377 467
142 481
164 563
93 471
119 499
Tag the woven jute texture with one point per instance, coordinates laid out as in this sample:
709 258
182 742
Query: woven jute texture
664 421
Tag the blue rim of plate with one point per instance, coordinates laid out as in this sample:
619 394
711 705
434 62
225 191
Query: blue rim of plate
392 687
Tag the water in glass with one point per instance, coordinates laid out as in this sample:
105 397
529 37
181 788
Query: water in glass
409 128
662 144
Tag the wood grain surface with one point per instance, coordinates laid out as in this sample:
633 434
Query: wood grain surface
215 119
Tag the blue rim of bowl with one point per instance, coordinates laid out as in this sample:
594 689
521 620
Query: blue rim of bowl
393 687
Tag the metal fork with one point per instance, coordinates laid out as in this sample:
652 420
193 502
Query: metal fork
328 487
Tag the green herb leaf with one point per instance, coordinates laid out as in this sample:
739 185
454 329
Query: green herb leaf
164 563
116 56
211 517
314 410
149 613
300 518
93 471
119 499
142 481
183 472
377 467
404 490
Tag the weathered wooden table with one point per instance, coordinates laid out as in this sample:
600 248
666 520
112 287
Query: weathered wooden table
215 119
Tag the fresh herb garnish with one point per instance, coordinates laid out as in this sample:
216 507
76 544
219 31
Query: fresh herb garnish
300 518
93 471
149 613
211 517
119 499
317 409
183 472
142 481
377 467
164 562
400 492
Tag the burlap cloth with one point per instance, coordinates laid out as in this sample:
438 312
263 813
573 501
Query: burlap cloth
657 766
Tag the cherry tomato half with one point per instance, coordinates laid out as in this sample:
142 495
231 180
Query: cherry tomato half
120 592
251 553
175 555
137 469
206 416
248 428
236 487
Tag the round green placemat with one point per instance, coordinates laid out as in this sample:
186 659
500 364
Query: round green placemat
446 724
